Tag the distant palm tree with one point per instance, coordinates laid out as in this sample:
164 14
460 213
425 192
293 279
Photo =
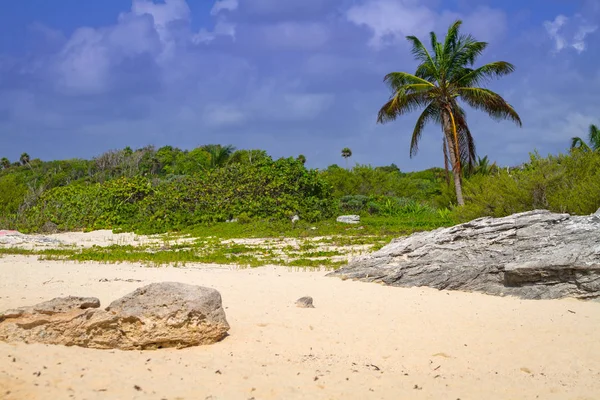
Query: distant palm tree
24 159
302 159
219 155
346 153
442 78
5 162
594 138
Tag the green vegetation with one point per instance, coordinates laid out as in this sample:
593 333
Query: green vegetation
115 192
442 78
594 139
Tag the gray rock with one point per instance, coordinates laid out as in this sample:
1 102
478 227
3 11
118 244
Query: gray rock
54 306
49 227
154 316
349 219
295 219
305 302
597 212
532 255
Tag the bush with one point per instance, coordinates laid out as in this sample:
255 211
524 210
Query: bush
565 183
266 189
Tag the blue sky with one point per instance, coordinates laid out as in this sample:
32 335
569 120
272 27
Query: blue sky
293 77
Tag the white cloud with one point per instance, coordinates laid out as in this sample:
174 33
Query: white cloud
391 21
163 13
569 32
222 28
84 64
224 5
89 57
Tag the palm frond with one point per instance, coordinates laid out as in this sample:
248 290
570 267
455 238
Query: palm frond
466 142
491 103
397 80
430 114
579 143
485 73
595 137
451 37
419 51
402 103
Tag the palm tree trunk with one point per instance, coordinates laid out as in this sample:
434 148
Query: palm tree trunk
454 159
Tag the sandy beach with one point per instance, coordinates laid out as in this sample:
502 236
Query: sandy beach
361 341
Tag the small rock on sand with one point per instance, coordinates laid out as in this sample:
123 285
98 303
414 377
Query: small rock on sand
305 302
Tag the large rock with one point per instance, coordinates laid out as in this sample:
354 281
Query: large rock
348 219
532 255
154 316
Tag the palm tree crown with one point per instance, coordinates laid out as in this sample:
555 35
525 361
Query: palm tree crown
24 159
5 162
219 155
594 139
346 153
444 76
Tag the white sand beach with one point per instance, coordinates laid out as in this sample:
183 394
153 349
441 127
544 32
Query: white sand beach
361 341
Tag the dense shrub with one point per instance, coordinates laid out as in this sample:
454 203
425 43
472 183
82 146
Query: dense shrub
266 189
365 180
565 183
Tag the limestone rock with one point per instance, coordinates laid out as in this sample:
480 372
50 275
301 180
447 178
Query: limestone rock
154 316
54 306
305 302
349 219
49 227
532 255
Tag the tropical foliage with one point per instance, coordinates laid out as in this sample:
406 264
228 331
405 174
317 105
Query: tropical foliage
593 137
444 76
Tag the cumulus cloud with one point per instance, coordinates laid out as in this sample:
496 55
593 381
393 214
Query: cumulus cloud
85 63
570 32
391 21
224 5
223 27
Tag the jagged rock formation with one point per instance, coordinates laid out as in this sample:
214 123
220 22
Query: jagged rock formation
532 255
154 316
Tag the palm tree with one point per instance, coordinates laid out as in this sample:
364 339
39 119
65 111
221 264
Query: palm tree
346 153
594 138
301 158
5 162
443 77
24 159
219 155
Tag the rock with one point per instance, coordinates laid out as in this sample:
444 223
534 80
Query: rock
49 227
597 212
532 255
305 302
54 306
154 316
349 219
295 219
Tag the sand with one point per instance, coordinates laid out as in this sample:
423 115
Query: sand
361 341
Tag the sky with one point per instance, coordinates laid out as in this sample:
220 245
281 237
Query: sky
78 78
